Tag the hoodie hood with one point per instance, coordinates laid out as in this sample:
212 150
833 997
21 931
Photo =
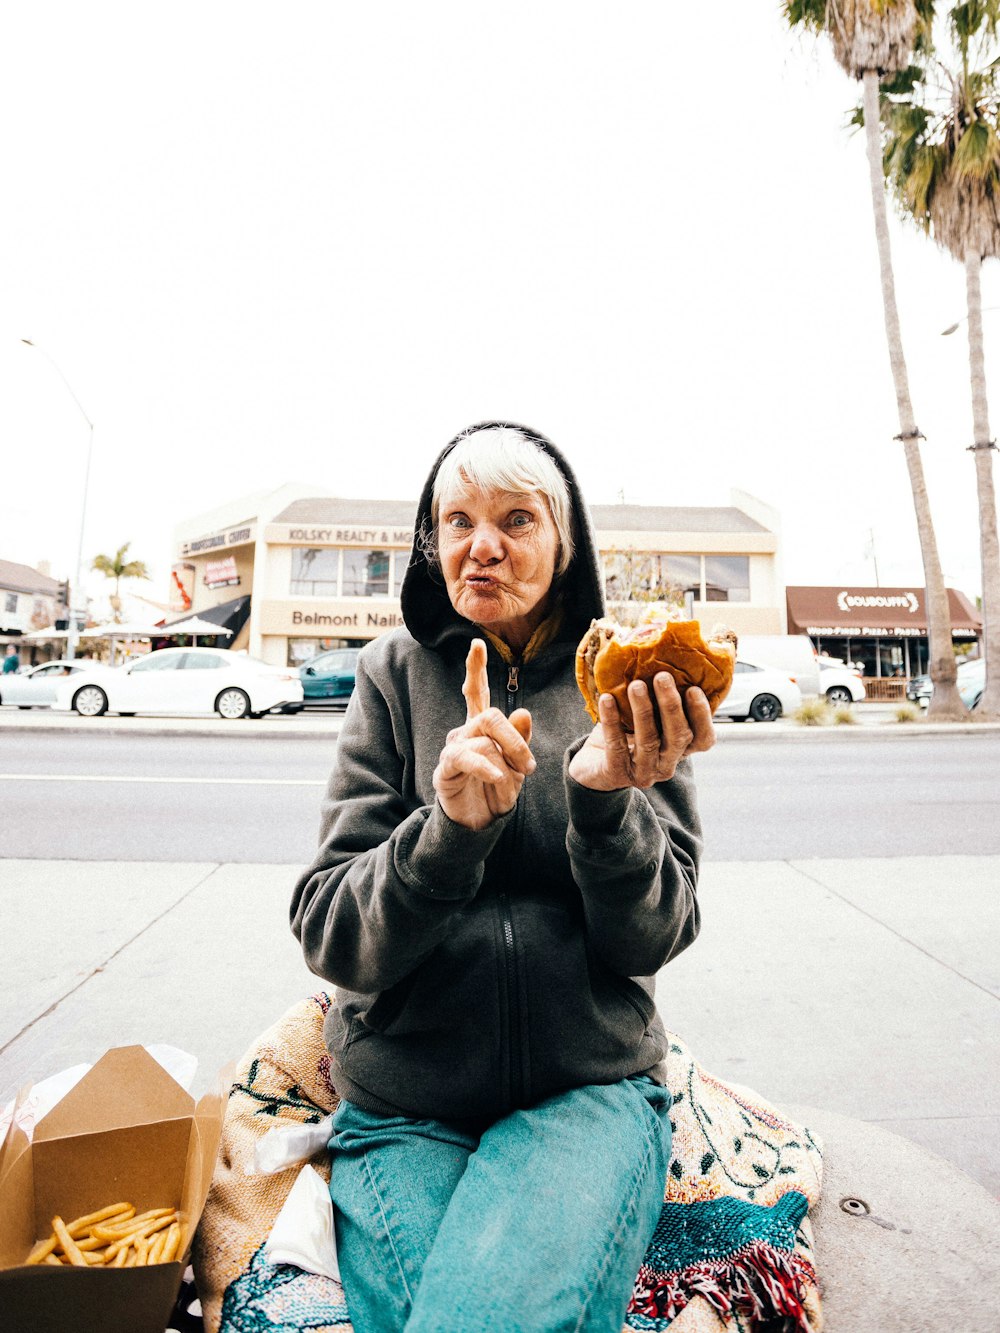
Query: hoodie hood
427 611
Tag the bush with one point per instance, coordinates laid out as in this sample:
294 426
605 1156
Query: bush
907 713
844 716
813 713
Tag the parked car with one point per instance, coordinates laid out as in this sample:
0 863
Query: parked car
182 680
36 687
328 679
838 682
971 683
918 690
760 693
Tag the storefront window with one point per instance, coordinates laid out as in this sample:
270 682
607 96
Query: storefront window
301 651
314 571
640 576
400 560
366 573
727 578
683 572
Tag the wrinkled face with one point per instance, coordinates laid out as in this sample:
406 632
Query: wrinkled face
498 552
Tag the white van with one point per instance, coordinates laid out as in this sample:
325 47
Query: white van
791 653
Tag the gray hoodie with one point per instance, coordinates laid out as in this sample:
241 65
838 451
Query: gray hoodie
479 971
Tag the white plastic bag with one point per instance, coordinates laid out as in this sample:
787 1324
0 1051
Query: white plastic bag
303 1234
44 1095
288 1145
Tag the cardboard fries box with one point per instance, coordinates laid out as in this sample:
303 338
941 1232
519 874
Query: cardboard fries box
126 1132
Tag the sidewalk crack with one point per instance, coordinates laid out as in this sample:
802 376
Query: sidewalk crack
99 967
798 868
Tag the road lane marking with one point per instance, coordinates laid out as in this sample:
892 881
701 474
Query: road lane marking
109 777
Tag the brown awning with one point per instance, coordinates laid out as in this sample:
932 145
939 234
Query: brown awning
889 613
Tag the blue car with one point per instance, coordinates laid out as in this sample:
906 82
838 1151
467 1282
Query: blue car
328 680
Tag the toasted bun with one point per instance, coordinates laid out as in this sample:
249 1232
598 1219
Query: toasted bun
609 657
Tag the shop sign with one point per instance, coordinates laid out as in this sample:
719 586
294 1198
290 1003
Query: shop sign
862 601
356 617
883 631
346 535
222 573
220 540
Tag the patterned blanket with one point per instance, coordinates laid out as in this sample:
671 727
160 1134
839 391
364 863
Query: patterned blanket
732 1252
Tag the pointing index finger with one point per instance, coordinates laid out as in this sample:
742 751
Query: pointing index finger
477 686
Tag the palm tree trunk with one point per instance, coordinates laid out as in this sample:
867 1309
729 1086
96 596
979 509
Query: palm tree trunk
945 705
982 451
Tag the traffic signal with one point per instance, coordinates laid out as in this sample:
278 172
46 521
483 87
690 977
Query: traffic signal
62 604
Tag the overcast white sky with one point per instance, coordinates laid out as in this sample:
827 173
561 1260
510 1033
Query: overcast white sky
309 242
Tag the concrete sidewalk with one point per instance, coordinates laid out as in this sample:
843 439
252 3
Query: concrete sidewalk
865 989
870 988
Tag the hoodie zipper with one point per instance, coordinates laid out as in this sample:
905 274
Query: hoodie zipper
512 673
514 1063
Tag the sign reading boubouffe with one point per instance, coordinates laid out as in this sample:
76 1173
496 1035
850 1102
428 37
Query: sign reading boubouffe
857 601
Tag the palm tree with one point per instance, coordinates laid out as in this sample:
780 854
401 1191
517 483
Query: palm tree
116 567
872 39
942 155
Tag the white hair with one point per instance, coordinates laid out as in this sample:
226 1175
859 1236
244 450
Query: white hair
501 458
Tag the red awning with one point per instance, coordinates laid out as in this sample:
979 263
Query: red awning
889 613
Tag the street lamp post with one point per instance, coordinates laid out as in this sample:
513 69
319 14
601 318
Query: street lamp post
73 633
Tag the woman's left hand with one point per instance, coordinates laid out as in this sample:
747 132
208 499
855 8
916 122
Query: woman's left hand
612 758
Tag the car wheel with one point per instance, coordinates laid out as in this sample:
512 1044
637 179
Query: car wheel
232 703
839 694
90 701
765 708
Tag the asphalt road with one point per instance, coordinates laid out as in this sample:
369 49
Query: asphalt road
81 796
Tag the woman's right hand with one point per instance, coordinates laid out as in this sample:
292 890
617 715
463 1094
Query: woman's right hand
484 762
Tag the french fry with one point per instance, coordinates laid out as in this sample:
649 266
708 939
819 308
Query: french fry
42 1251
156 1247
87 1242
114 1210
119 1260
141 1251
140 1223
68 1244
171 1249
54 1260
132 1257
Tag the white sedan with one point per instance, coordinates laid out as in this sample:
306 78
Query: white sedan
182 680
760 693
36 687
840 683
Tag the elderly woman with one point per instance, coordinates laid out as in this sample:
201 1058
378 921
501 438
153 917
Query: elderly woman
497 886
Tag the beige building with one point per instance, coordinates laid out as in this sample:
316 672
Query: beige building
321 571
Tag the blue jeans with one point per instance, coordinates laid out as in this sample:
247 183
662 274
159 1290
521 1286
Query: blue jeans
534 1224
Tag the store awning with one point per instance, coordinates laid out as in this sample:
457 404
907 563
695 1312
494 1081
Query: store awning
888 613
231 615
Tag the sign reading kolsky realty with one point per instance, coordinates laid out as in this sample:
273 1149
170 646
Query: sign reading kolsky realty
289 534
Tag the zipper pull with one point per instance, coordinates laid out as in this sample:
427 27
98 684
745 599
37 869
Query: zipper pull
511 687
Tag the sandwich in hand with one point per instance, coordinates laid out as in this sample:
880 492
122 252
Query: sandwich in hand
610 656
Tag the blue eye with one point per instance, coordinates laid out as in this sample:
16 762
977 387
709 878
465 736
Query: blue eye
520 520
458 521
